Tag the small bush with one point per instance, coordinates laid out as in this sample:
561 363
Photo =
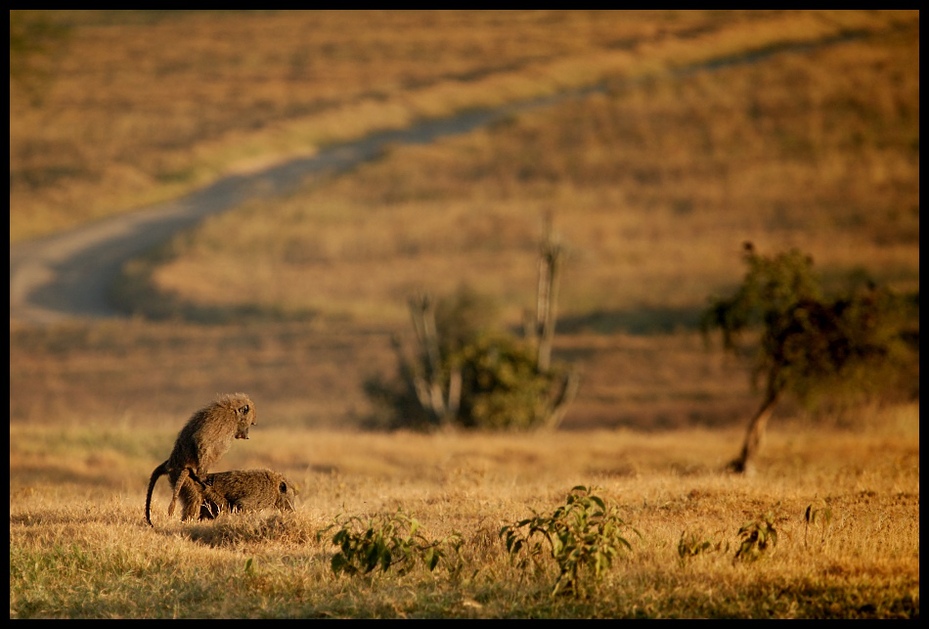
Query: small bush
758 537
391 541
691 544
583 537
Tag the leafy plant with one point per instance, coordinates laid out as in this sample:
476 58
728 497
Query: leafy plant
758 537
816 515
690 545
583 536
385 542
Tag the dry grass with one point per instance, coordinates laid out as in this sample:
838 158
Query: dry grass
312 375
80 546
143 105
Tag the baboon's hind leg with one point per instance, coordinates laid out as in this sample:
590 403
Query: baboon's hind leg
191 499
186 475
182 477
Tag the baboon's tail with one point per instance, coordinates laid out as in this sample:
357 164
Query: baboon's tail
157 473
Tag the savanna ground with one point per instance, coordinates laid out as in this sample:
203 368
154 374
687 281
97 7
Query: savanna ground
789 129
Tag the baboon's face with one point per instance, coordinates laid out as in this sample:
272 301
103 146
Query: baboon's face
286 499
246 418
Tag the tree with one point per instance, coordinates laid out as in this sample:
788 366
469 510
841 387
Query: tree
464 371
810 346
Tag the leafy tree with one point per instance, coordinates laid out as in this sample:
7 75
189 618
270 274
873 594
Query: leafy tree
810 346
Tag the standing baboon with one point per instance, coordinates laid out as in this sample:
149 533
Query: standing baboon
207 436
245 490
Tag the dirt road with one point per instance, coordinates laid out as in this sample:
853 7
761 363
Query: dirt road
67 275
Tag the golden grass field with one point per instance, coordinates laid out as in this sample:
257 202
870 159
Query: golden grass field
789 129
80 546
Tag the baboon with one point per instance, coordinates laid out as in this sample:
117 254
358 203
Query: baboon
205 437
245 490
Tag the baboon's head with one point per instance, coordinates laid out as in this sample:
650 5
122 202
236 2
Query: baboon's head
285 501
244 410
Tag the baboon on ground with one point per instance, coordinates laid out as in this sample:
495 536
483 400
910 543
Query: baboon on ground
206 436
245 490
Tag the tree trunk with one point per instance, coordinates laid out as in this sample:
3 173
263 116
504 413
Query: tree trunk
428 385
549 275
566 393
745 463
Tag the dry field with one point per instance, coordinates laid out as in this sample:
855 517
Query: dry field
80 548
701 130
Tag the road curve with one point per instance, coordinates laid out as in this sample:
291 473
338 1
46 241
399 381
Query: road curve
67 275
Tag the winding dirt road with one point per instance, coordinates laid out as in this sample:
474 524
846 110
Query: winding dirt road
67 275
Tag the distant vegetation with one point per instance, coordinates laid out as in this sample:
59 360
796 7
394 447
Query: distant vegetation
654 180
465 372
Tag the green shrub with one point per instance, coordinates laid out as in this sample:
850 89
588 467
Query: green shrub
691 545
501 385
391 541
583 537
468 373
758 538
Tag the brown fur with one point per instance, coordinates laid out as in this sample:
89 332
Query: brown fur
205 438
245 490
